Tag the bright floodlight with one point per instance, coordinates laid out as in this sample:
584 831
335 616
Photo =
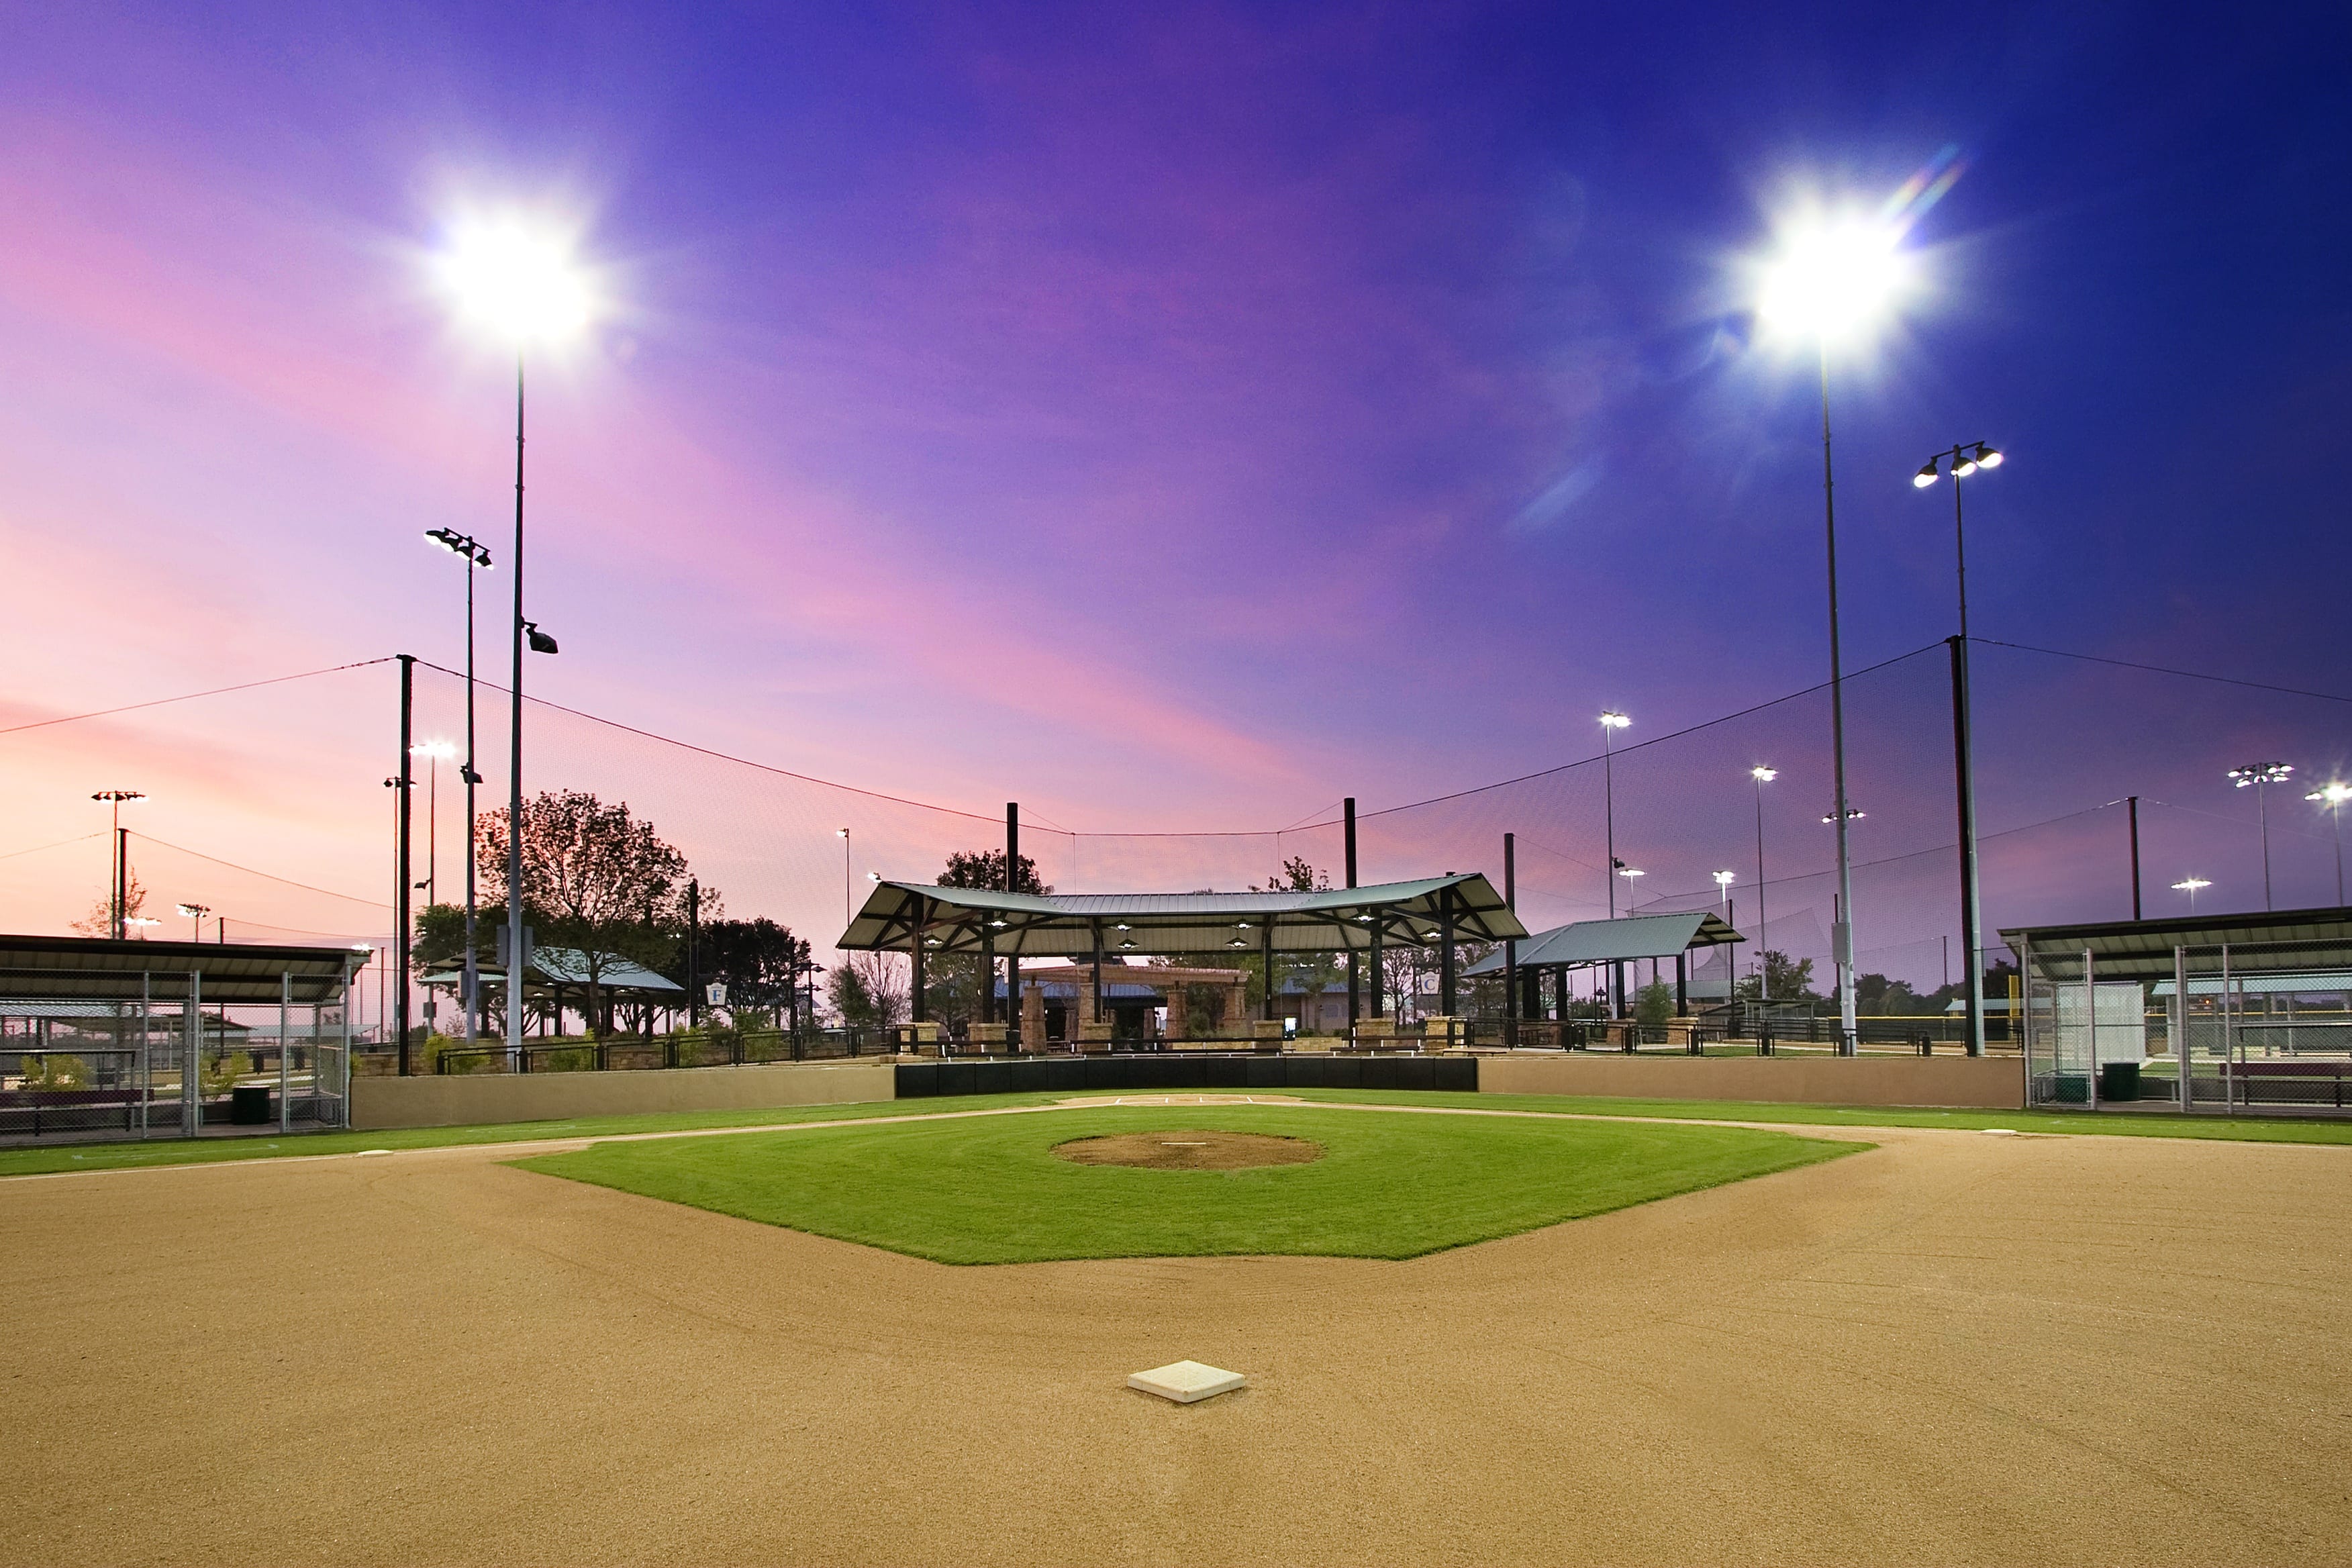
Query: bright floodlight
1926 475
1630 872
1724 879
1613 720
437 751
1986 457
1763 775
1829 278
2331 794
2191 885
520 283
2261 773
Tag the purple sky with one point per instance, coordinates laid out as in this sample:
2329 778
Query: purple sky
1172 421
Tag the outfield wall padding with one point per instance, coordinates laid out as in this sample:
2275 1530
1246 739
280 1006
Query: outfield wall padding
1988 1083
1183 1071
463 1100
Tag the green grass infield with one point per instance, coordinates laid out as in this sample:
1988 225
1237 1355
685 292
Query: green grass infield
991 1189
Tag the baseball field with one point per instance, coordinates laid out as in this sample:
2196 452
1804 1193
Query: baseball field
1469 1339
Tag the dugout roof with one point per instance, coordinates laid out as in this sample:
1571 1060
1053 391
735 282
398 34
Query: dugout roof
1586 942
2142 950
899 915
103 968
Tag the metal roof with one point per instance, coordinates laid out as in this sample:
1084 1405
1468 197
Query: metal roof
103 969
2207 983
2142 950
564 967
954 920
1611 941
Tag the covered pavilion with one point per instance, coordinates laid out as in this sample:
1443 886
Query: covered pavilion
925 922
1590 944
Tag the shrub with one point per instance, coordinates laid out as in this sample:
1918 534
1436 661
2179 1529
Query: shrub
1654 1002
55 1073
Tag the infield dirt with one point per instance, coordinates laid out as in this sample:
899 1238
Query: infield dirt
1950 1348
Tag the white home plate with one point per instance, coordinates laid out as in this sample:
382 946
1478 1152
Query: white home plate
1186 1380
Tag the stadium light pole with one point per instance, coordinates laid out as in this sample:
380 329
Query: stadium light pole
523 285
2333 795
2190 885
2260 776
476 556
116 913
1611 722
1762 775
846 877
1829 280
1964 458
196 914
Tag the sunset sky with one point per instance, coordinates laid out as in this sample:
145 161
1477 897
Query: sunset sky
1173 419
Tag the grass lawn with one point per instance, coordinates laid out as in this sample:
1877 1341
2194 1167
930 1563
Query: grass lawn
40 1160
991 1190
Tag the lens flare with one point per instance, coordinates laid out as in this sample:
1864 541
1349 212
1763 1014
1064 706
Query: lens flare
1830 279
517 280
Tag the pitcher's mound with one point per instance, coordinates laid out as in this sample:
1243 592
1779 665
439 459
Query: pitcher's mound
1190 1150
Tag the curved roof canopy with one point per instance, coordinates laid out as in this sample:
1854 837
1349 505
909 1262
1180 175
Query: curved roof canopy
1611 942
899 915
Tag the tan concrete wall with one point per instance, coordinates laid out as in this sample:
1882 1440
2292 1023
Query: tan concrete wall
460 1100
1995 1083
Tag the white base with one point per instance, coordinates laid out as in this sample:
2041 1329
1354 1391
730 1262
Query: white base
1186 1382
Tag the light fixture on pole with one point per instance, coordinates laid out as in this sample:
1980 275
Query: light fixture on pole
1762 775
196 914
2190 885
1611 722
1964 458
434 754
524 286
117 911
469 984
1829 280
2333 795
2260 776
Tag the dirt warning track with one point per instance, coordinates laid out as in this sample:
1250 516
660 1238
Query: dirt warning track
1952 1349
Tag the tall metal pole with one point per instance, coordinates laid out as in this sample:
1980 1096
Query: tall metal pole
400 854
122 875
1842 930
472 999
1012 960
1964 788
1763 969
1511 948
1355 967
2132 801
693 953
2262 813
516 982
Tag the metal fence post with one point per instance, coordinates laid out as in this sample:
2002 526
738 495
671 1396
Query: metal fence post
2181 1027
2228 1037
2091 1005
285 1101
191 1052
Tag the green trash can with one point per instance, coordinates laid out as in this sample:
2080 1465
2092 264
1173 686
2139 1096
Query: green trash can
248 1105
2118 1080
2070 1089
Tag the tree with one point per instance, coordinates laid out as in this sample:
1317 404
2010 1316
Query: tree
1297 877
1654 1004
596 878
985 868
99 921
870 990
1786 979
758 961
1877 994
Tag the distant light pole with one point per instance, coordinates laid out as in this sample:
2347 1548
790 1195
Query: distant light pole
1611 722
117 911
1963 459
1723 880
2260 776
846 875
2333 795
1828 281
525 286
196 914
1762 775
434 754
2190 885
476 556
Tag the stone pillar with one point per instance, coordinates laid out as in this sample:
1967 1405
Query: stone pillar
1237 1018
1032 1017
1180 1018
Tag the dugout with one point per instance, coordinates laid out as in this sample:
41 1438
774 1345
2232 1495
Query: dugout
142 1037
2231 1012
1584 946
